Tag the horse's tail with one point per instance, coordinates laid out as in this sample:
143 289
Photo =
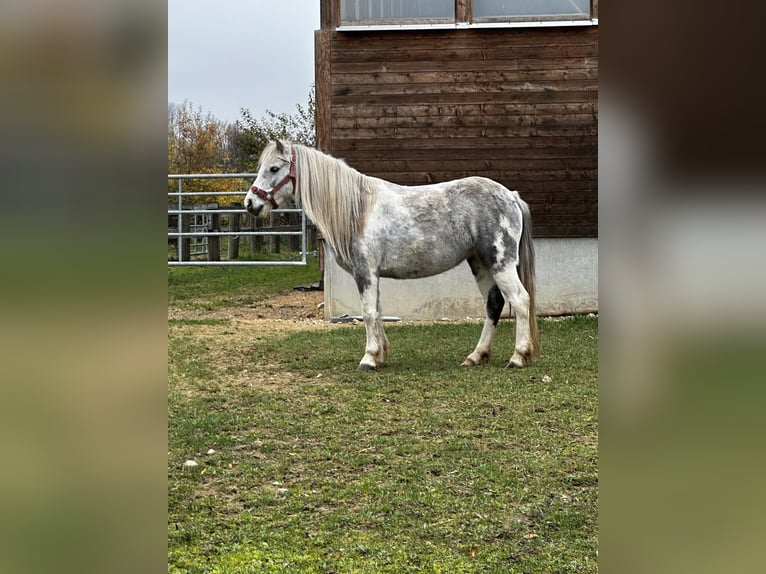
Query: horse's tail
527 274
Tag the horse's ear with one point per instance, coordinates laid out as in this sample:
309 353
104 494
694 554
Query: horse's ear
280 146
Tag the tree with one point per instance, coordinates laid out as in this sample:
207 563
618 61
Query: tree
200 143
197 142
250 135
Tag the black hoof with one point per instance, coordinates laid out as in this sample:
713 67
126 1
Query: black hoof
365 367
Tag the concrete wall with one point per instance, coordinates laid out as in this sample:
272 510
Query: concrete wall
567 282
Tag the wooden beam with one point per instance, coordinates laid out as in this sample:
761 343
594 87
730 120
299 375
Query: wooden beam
329 14
323 86
462 11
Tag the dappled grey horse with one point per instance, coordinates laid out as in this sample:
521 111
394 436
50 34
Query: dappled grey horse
380 229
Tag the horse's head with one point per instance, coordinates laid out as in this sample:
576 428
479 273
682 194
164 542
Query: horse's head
276 179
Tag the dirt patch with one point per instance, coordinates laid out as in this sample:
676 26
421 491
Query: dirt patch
230 336
294 310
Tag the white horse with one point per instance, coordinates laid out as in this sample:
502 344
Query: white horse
379 229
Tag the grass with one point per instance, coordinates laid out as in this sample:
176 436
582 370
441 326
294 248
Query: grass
222 286
422 466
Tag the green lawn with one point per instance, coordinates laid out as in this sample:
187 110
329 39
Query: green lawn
213 287
422 466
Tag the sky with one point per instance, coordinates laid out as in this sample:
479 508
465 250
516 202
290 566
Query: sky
224 55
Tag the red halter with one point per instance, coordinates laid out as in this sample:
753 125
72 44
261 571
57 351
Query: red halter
269 195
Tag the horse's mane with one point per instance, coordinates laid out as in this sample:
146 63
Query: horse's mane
335 196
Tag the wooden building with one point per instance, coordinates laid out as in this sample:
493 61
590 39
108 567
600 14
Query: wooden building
418 91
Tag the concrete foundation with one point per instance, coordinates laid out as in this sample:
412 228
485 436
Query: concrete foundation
567 282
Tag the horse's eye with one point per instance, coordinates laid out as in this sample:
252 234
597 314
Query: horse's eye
274 169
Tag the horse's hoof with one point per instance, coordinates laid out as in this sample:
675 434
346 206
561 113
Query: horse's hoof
517 360
469 362
365 367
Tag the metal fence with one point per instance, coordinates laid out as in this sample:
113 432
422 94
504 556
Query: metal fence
189 225
199 223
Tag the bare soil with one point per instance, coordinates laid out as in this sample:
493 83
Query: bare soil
291 311
231 334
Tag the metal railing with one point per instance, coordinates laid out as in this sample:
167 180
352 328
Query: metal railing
190 212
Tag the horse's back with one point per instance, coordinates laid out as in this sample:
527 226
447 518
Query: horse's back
418 231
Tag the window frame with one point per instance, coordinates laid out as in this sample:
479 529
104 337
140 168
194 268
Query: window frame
433 21
530 17
463 18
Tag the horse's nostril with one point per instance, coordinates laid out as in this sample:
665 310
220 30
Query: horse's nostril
250 205
251 208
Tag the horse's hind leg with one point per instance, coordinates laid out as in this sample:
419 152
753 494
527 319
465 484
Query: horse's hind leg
512 288
494 303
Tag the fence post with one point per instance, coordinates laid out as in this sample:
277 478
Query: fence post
275 239
312 238
214 241
254 242
233 240
184 225
295 240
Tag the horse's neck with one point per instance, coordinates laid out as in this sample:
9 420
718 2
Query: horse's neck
336 199
336 172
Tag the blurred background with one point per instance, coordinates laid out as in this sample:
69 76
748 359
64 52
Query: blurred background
682 169
681 261
82 297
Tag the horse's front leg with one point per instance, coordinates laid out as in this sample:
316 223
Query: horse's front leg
377 344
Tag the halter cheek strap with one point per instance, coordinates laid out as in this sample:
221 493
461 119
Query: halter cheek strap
269 195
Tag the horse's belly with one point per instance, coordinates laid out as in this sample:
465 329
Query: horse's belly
412 264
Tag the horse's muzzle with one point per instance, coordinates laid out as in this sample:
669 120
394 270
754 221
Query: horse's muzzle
251 207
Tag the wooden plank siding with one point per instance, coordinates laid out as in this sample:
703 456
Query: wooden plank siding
517 105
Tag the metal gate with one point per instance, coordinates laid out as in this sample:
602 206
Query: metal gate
194 222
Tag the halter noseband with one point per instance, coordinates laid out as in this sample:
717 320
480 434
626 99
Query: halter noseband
269 195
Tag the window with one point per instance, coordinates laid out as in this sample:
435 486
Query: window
380 11
358 14
508 10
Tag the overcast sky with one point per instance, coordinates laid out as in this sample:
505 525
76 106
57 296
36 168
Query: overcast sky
224 55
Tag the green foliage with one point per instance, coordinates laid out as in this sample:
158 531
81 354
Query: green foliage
250 135
200 143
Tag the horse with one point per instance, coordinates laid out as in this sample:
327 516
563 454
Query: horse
377 228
